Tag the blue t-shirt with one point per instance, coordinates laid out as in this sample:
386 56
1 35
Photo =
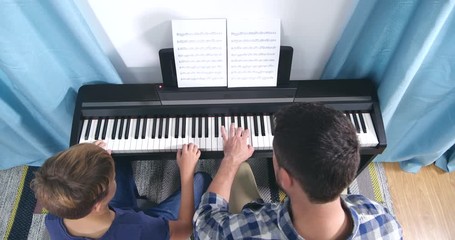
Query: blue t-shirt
128 224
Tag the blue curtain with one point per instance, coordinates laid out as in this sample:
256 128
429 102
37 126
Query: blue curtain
46 53
408 48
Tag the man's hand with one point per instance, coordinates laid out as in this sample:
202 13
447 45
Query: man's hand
236 149
187 158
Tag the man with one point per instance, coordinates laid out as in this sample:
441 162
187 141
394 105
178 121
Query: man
315 157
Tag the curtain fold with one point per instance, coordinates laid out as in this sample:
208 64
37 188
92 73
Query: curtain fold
407 48
46 53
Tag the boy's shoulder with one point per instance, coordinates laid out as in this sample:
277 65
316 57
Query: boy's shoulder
127 223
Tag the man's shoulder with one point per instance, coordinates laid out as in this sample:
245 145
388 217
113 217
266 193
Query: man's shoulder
363 205
371 218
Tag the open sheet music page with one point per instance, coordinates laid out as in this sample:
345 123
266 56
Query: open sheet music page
200 52
253 52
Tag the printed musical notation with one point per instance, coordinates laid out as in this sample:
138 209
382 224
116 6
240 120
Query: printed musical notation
220 52
200 52
253 52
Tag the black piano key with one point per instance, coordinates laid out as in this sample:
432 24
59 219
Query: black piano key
103 133
177 127
245 122
217 127
272 124
232 119
166 128
127 128
356 123
87 130
144 127
193 127
362 122
160 128
98 129
114 128
261 118
138 127
155 120
239 121
255 122
120 131
199 127
184 127
206 126
223 121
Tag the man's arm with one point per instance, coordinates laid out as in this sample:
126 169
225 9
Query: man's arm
236 151
187 158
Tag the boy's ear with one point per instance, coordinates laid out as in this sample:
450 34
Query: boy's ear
97 207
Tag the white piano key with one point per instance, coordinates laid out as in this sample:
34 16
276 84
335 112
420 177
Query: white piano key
202 139
180 133
254 138
84 129
108 139
172 138
91 136
211 134
148 135
187 137
156 140
371 133
115 140
141 141
100 131
219 139
261 144
268 132
131 143
121 141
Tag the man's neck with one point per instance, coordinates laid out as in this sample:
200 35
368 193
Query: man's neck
320 221
94 225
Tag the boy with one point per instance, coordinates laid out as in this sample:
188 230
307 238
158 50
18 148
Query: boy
78 188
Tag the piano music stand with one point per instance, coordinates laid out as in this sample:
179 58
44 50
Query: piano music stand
169 73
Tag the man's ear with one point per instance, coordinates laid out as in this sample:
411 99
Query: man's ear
285 180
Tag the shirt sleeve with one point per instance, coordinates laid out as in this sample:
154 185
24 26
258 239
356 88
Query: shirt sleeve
212 220
210 216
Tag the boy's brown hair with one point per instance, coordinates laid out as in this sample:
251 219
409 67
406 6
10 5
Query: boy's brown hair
70 183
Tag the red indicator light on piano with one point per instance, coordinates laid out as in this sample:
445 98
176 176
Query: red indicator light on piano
160 86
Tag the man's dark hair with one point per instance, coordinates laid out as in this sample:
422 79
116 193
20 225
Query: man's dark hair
318 146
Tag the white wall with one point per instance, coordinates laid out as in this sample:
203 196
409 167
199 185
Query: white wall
132 32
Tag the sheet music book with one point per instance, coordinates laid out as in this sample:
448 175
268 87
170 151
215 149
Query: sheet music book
232 53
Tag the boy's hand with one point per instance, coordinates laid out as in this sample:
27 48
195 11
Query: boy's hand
236 149
187 158
102 144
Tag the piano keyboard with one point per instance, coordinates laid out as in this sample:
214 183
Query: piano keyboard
167 134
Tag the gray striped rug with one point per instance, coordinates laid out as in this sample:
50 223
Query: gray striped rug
22 218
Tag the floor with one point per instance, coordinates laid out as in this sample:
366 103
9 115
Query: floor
424 203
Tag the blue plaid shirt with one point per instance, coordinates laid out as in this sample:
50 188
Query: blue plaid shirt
260 220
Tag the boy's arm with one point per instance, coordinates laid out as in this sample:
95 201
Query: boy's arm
187 158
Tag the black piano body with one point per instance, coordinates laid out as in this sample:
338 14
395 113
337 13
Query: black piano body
106 103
